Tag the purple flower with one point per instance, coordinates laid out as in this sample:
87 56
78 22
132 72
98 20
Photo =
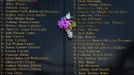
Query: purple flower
64 23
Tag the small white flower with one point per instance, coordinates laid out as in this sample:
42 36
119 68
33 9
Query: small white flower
69 33
68 15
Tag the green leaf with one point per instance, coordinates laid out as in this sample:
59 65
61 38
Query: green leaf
73 24
74 17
